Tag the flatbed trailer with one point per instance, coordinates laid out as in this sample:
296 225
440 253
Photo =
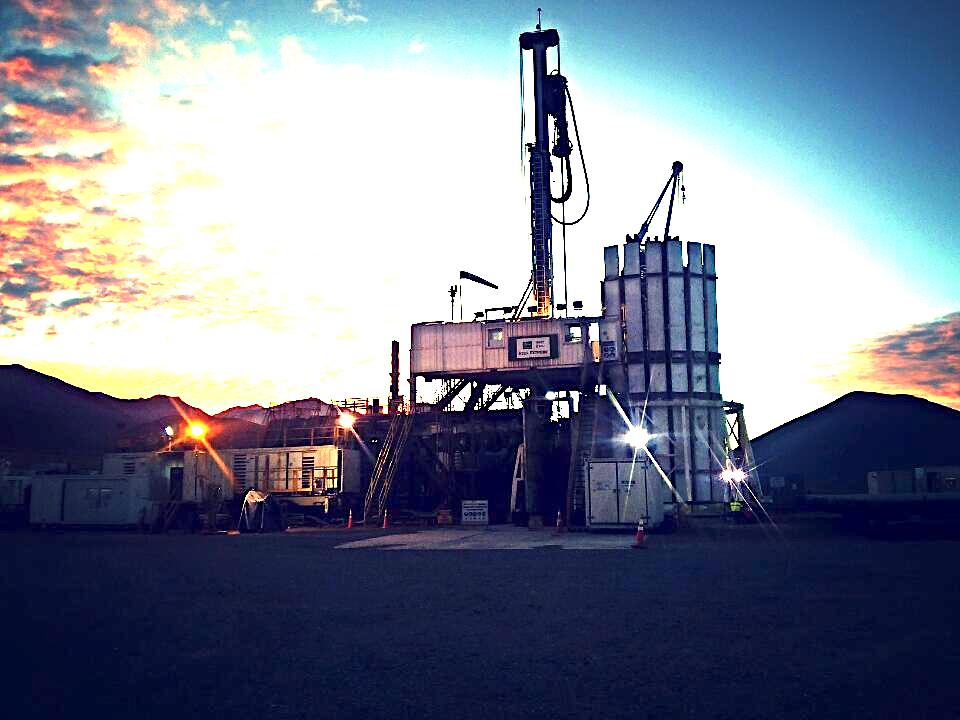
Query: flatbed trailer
888 507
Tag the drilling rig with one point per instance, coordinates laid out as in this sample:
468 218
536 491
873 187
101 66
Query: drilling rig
654 366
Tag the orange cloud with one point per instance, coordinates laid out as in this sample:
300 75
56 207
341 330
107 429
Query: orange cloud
48 9
46 40
130 37
923 360
172 11
64 246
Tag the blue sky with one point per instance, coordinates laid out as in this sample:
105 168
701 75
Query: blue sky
852 103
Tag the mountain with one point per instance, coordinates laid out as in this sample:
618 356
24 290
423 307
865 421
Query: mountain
250 413
46 420
831 449
306 408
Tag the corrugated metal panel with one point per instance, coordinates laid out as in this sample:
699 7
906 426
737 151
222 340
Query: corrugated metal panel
611 262
655 309
631 258
611 299
635 378
633 312
675 283
711 293
90 500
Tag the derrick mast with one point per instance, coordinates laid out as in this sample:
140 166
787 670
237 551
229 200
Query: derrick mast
550 98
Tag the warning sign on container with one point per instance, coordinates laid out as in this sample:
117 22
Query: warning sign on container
474 512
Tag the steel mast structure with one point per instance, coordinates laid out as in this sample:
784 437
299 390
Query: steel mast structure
550 100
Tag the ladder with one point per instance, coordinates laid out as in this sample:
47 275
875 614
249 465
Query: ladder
385 469
581 450
168 512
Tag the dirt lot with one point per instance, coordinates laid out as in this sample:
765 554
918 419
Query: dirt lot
718 622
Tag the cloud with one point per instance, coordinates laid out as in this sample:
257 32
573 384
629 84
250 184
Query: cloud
136 40
206 14
416 47
240 32
923 359
73 302
335 13
13 159
64 241
25 288
172 12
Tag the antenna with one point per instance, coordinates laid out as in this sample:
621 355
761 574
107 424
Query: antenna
538 17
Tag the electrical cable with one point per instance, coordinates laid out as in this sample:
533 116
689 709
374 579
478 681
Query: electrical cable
583 164
526 293
567 187
563 234
523 117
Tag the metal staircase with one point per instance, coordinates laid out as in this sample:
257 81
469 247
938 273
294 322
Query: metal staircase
581 450
385 470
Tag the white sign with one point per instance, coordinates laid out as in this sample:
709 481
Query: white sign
474 512
533 347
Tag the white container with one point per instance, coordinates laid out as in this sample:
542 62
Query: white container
295 470
99 500
619 493
473 348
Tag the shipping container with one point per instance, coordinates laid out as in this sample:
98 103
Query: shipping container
620 493
462 349
93 500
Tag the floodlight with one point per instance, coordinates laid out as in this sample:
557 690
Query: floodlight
346 420
198 430
732 474
169 430
637 436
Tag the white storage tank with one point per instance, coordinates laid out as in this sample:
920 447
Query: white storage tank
660 320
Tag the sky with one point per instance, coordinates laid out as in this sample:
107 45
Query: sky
245 202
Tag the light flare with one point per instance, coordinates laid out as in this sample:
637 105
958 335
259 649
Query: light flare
637 437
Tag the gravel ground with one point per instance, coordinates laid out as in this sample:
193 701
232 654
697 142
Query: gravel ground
715 622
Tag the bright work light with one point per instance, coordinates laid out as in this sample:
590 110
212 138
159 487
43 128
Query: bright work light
637 436
732 474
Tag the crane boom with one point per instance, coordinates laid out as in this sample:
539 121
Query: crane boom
670 185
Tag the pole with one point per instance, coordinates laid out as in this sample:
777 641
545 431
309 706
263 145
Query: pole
394 404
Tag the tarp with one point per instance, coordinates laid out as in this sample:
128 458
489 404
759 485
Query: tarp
260 512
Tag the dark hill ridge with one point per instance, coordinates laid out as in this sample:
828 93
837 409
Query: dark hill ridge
834 447
307 407
250 413
44 419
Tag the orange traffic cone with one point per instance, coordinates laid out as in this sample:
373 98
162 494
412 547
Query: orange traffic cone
386 519
640 541
350 520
